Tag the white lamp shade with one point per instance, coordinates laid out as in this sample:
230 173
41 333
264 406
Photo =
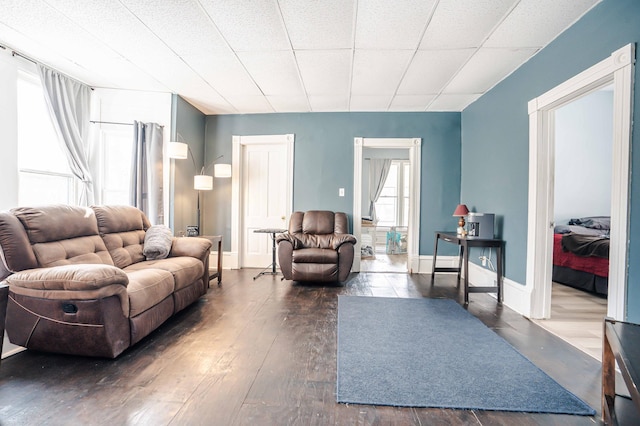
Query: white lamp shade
178 150
203 182
222 170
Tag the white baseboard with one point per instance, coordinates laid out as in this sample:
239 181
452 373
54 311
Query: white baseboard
514 295
230 260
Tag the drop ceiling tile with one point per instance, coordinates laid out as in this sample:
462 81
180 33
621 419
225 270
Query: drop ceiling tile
378 72
289 103
274 72
453 102
410 102
430 70
384 24
249 25
206 106
369 102
326 24
463 23
326 103
225 72
251 104
535 23
325 72
181 24
486 68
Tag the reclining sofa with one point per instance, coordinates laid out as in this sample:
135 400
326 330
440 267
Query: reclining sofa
317 247
79 282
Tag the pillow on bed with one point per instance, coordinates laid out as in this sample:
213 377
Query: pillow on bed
561 229
593 222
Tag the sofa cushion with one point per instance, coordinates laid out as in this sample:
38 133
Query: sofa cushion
315 255
185 270
147 288
57 222
123 229
81 250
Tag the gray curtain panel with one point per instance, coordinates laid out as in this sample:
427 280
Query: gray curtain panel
378 172
146 171
68 102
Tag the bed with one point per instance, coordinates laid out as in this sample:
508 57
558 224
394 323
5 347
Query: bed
581 254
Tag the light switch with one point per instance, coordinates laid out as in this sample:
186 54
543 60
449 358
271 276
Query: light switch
341 192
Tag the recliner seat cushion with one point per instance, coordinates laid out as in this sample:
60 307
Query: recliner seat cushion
185 270
147 288
315 255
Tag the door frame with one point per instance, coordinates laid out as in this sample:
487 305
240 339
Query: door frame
413 241
237 185
618 69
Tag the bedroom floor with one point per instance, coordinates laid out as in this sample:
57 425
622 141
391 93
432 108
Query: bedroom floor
576 317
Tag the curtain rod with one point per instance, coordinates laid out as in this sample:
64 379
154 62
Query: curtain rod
116 122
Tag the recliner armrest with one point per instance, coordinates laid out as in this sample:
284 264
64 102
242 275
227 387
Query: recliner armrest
339 239
296 243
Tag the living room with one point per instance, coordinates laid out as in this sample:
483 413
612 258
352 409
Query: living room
478 155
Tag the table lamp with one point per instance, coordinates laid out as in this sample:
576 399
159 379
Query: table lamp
461 211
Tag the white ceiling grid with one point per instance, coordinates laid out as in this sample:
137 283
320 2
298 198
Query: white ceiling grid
260 56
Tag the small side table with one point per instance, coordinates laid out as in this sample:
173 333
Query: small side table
273 232
218 273
4 299
465 243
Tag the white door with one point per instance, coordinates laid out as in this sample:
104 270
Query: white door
265 204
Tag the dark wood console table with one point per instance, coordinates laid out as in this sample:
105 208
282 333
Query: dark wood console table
621 342
465 243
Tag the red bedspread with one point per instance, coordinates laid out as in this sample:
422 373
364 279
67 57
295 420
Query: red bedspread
591 264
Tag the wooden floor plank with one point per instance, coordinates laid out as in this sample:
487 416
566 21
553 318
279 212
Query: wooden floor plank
264 352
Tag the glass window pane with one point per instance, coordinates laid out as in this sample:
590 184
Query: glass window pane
41 189
38 146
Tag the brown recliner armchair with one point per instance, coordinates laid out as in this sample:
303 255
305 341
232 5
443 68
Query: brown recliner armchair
317 247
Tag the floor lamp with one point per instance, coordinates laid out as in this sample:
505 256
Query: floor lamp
201 181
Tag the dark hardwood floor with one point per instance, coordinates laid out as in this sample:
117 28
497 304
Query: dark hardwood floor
264 353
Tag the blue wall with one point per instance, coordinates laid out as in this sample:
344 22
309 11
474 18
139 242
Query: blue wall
323 161
584 145
188 126
495 132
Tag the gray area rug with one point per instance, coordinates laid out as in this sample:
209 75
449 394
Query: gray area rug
433 353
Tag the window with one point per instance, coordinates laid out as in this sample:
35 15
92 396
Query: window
44 175
392 208
116 145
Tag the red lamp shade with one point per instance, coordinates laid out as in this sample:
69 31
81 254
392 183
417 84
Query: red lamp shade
461 210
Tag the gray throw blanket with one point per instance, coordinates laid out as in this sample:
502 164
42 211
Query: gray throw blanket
157 242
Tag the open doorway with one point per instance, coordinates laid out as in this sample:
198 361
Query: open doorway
404 158
583 148
385 210
617 70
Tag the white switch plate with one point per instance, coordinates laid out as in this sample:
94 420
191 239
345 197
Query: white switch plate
341 192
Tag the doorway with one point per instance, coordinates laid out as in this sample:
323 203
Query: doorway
383 238
261 193
581 212
616 70
404 238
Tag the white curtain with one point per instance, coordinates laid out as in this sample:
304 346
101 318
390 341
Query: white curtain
146 171
68 102
378 172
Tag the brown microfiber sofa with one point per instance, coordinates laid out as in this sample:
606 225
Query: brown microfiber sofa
80 284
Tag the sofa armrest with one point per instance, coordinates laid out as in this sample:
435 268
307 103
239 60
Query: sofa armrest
78 277
190 246
295 243
72 282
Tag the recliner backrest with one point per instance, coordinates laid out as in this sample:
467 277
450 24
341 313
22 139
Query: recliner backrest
58 235
123 229
318 222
